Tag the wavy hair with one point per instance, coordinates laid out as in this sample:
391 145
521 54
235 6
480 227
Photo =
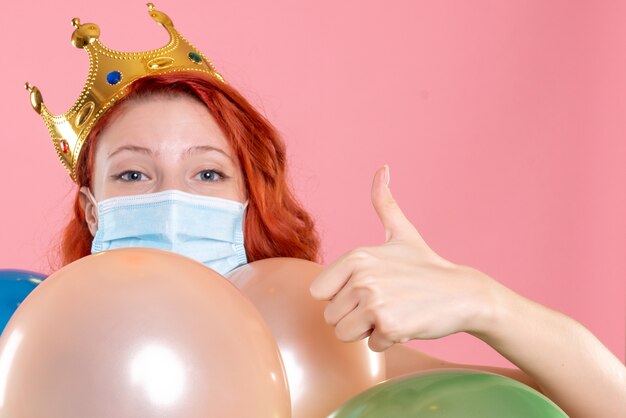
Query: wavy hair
276 224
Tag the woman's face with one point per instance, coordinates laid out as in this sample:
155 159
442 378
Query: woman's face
162 143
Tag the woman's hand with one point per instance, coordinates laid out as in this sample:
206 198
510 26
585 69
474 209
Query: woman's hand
401 290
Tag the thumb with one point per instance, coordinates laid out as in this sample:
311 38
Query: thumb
396 225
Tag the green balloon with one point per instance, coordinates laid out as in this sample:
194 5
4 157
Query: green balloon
450 393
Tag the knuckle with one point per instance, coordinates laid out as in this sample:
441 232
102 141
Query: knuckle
387 324
341 333
360 255
364 280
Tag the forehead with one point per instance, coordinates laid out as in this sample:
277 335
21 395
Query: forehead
167 125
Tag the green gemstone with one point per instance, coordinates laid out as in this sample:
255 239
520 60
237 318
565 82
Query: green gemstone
195 57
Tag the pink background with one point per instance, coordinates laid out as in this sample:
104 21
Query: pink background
503 124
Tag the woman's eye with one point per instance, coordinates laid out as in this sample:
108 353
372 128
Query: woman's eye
210 175
131 176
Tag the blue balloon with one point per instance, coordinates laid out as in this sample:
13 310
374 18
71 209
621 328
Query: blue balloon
15 285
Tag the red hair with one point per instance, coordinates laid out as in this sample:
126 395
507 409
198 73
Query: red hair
276 225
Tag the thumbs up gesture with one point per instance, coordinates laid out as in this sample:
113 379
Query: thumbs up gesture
402 289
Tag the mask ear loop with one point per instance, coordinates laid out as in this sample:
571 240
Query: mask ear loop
92 197
94 202
244 214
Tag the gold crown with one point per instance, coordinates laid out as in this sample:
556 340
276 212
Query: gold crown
110 73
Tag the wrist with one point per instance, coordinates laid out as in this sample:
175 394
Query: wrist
492 309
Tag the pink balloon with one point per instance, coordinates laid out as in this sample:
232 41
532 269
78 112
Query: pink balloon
139 333
323 372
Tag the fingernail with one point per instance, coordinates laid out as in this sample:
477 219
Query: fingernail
386 177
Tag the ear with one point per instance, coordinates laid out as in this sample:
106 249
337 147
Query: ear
89 208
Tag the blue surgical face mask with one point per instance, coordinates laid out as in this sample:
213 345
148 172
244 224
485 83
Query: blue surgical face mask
206 229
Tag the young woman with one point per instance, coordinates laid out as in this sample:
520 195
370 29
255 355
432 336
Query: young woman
195 134
156 131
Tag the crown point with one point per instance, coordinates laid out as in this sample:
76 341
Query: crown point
158 16
84 34
36 100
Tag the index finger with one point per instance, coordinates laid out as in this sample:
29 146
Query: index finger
335 276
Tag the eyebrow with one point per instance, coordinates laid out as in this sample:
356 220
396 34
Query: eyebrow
187 152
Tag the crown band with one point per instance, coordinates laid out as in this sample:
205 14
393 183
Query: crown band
110 73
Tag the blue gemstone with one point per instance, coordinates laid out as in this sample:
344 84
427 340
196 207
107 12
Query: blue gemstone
114 77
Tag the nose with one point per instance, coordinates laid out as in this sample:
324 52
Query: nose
172 180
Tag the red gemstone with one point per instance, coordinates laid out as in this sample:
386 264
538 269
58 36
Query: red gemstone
64 147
